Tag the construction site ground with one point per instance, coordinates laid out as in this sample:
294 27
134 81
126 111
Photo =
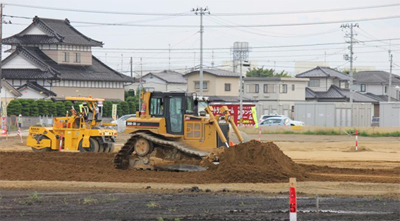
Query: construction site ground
352 185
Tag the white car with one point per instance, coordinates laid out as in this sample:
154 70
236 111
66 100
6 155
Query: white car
266 116
283 121
121 122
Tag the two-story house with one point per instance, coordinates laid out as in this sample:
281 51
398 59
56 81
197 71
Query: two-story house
51 58
218 85
163 81
376 84
275 95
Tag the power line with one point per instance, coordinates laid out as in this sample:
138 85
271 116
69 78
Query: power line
232 26
256 47
218 14
305 11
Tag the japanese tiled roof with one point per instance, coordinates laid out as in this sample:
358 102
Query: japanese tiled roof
323 72
35 86
375 77
49 69
170 77
216 72
57 32
335 92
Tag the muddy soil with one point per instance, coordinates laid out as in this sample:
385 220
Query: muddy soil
189 204
98 167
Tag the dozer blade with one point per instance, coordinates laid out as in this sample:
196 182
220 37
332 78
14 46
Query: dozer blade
180 168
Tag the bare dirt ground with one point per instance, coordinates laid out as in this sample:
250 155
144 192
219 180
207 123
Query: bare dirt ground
329 166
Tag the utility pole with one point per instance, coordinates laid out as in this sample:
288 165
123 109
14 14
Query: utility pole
212 62
201 11
131 68
241 52
122 62
350 57
390 75
1 47
140 83
169 56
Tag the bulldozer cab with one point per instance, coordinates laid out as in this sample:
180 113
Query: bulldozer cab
172 106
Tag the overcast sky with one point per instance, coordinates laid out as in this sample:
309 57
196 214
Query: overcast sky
222 38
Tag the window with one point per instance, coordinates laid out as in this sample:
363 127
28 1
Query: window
156 106
344 84
77 57
269 88
66 57
284 89
385 89
363 88
227 87
293 87
313 83
252 88
197 85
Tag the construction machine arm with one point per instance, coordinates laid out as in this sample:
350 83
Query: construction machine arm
209 111
229 118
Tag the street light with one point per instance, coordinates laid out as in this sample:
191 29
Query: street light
398 92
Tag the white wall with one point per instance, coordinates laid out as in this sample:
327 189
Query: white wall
33 31
19 62
32 94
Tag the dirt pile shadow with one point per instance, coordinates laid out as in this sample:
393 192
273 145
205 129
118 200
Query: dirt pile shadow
256 162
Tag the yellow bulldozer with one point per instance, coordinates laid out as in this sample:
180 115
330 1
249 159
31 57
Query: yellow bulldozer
170 128
79 130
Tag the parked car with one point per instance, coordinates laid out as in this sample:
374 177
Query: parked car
283 121
264 117
375 122
121 122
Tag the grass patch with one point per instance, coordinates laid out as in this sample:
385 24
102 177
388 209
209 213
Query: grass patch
112 199
89 200
152 204
34 196
173 209
351 132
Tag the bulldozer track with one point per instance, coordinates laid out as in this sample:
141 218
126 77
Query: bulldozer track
121 160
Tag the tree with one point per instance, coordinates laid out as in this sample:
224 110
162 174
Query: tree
119 109
68 106
43 109
132 107
107 108
25 107
34 109
52 110
261 72
125 108
60 108
14 108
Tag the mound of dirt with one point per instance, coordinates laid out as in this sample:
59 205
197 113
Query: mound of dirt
256 162
360 149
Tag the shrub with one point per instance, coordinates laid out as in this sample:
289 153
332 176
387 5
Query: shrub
68 105
51 106
43 109
60 108
34 109
14 108
107 107
125 108
25 107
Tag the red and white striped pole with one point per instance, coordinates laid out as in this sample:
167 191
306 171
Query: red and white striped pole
356 140
292 200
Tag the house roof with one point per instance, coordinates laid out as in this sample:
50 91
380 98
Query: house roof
274 79
323 72
228 99
335 92
51 70
375 77
35 86
10 88
216 72
169 76
381 98
57 32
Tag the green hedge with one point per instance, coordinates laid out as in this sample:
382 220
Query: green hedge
30 107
